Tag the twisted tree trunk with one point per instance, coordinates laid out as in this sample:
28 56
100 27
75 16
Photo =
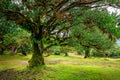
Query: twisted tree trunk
37 57
1 51
87 53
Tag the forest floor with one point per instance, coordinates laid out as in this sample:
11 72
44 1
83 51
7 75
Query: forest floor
73 67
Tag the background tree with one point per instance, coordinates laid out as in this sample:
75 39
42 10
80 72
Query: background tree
94 31
6 28
12 37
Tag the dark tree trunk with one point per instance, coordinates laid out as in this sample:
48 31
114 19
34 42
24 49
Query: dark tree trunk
106 55
87 53
2 46
1 51
66 54
24 53
37 57
14 50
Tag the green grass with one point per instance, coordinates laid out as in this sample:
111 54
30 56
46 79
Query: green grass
13 61
64 68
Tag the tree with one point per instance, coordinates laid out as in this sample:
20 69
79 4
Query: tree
15 39
6 28
98 32
11 36
44 19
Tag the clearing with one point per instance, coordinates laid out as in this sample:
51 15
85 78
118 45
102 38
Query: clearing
73 67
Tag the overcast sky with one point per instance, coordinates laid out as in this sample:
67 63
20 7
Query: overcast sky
113 10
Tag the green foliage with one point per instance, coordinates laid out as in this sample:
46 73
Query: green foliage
93 30
115 51
25 48
8 3
7 27
33 39
16 36
12 35
55 49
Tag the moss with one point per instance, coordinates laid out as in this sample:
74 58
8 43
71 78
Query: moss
36 61
66 68
37 57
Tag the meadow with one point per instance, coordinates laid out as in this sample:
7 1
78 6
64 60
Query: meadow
58 67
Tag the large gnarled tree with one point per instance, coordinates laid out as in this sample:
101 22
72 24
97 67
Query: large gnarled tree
45 20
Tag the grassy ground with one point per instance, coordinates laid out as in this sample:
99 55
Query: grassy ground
60 68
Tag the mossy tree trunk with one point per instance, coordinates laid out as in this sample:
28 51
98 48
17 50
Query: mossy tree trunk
87 52
37 57
14 50
66 54
1 51
2 46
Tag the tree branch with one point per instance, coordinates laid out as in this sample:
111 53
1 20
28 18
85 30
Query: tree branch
61 43
78 4
20 19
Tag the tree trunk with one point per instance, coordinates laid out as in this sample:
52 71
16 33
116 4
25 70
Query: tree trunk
14 50
1 45
66 54
24 53
87 53
1 51
37 57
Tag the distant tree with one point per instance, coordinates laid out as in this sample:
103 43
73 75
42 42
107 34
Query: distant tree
5 28
94 31
11 36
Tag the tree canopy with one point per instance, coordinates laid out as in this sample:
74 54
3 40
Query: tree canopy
94 29
46 20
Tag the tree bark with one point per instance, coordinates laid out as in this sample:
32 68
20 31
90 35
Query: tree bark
87 53
1 51
37 57
14 50
66 54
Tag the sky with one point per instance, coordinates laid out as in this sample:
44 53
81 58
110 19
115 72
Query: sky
118 42
113 10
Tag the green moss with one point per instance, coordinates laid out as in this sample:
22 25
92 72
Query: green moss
62 68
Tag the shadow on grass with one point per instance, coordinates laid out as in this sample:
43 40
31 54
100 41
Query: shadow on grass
36 73
11 74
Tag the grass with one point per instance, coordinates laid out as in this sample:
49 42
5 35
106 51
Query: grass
63 68
13 61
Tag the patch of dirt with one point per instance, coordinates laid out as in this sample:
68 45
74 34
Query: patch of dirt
12 74
8 74
53 61
23 62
